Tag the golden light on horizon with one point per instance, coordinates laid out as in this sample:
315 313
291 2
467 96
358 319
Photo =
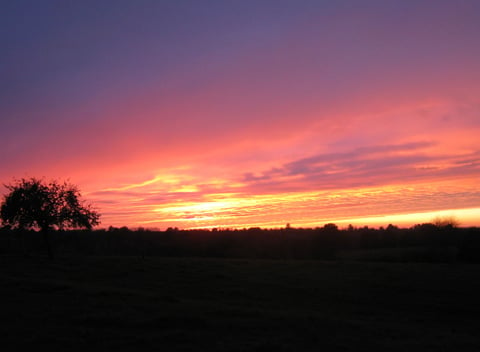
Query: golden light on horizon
391 204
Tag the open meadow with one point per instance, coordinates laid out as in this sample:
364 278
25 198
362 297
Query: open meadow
199 304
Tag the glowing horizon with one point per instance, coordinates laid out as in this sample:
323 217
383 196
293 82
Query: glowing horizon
301 209
257 113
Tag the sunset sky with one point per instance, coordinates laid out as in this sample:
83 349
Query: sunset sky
247 113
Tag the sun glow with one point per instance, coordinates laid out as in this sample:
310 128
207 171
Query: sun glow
392 204
198 201
196 207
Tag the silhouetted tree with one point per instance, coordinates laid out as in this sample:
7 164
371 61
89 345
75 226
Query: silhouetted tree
446 222
330 227
35 204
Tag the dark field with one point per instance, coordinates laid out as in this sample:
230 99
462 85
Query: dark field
175 304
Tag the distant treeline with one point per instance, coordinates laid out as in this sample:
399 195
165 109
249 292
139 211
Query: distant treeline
420 243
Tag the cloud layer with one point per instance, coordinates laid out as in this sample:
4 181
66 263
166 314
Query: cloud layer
259 112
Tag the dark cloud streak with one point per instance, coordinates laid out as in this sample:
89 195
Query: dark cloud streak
367 166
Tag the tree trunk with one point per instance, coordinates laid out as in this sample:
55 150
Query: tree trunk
46 237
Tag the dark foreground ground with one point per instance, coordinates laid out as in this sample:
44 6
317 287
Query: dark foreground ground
125 303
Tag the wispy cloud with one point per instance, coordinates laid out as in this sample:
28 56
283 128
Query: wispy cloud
366 166
378 179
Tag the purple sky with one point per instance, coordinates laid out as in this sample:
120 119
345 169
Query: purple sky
239 113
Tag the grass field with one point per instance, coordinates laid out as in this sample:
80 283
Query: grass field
126 303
